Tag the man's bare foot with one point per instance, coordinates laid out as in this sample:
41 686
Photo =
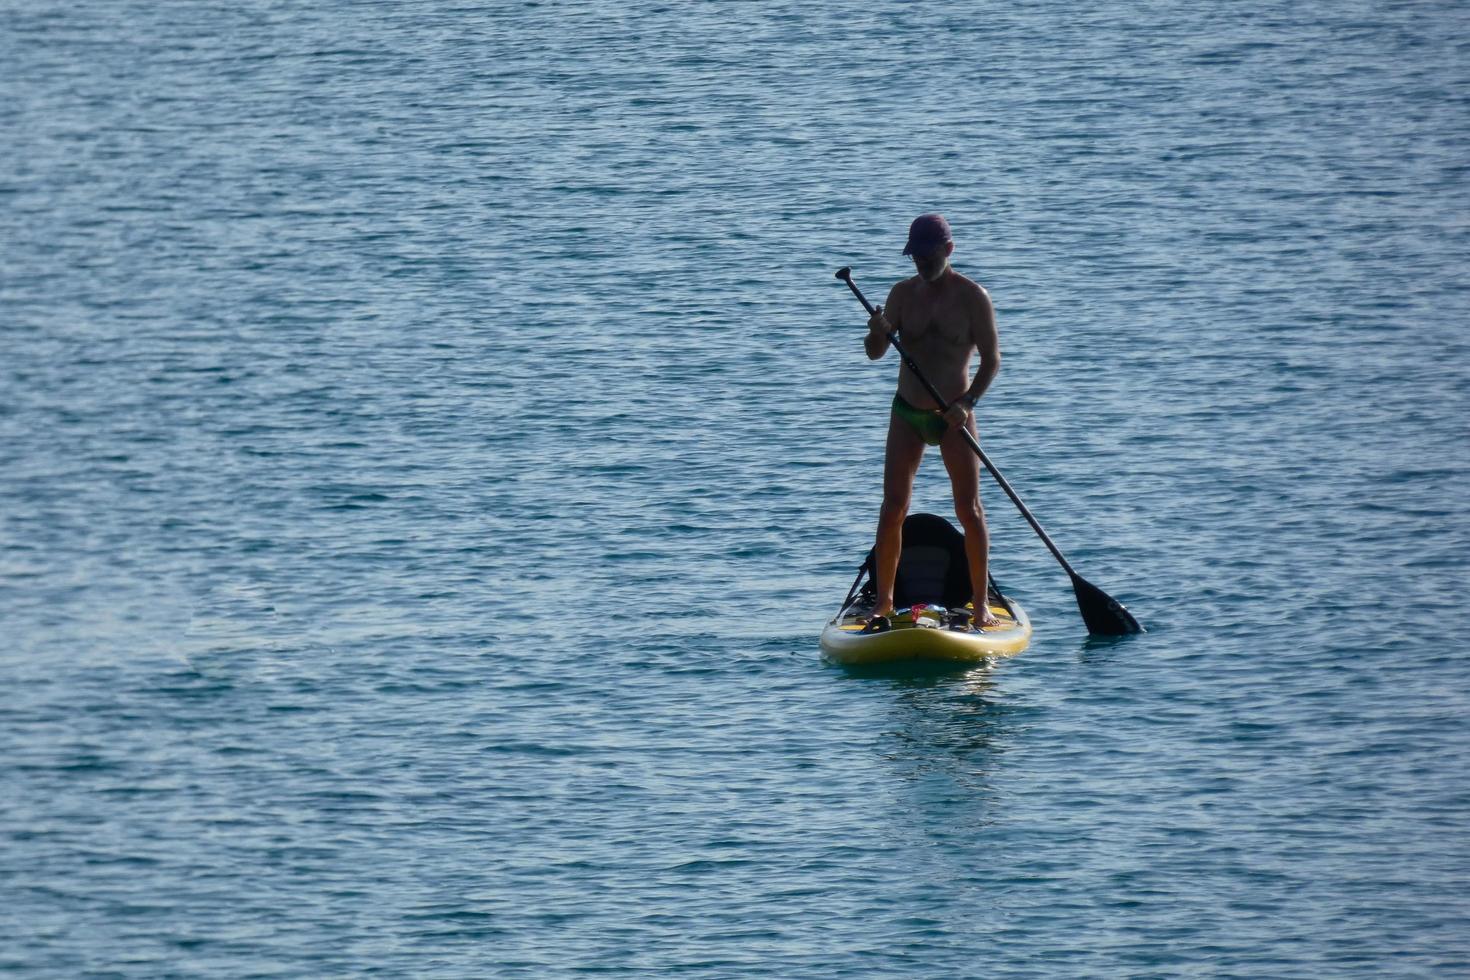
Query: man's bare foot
868 615
983 616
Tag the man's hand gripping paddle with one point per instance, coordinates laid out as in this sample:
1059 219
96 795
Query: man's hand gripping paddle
1104 615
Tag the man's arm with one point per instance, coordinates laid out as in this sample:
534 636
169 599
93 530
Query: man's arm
987 344
879 324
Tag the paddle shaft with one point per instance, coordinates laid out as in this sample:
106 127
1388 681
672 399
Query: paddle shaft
968 436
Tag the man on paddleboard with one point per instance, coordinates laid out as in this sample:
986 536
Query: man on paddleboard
943 318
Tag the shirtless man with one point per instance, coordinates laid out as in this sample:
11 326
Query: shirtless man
943 318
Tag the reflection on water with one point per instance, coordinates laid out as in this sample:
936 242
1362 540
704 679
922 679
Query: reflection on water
1101 649
946 736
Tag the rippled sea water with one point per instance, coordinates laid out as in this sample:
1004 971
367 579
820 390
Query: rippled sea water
432 438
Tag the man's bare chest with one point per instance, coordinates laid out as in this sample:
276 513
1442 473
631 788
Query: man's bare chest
936 325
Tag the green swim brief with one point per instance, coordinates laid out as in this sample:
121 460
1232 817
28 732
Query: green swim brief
929 424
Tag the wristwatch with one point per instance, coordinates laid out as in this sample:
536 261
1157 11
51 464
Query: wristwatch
970 400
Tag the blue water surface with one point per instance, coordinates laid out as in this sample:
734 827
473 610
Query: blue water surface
432 439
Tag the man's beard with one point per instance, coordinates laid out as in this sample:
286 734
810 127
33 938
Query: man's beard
931 269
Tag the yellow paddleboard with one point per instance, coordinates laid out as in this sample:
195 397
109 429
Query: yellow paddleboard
844 642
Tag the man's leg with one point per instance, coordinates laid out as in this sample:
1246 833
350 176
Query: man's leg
901 457
964 477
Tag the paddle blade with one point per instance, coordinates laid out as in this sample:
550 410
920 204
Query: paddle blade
1104 615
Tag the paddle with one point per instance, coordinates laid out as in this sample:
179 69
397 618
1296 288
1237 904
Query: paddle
1103 614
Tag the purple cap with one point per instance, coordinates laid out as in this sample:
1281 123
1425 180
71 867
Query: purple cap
927 233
